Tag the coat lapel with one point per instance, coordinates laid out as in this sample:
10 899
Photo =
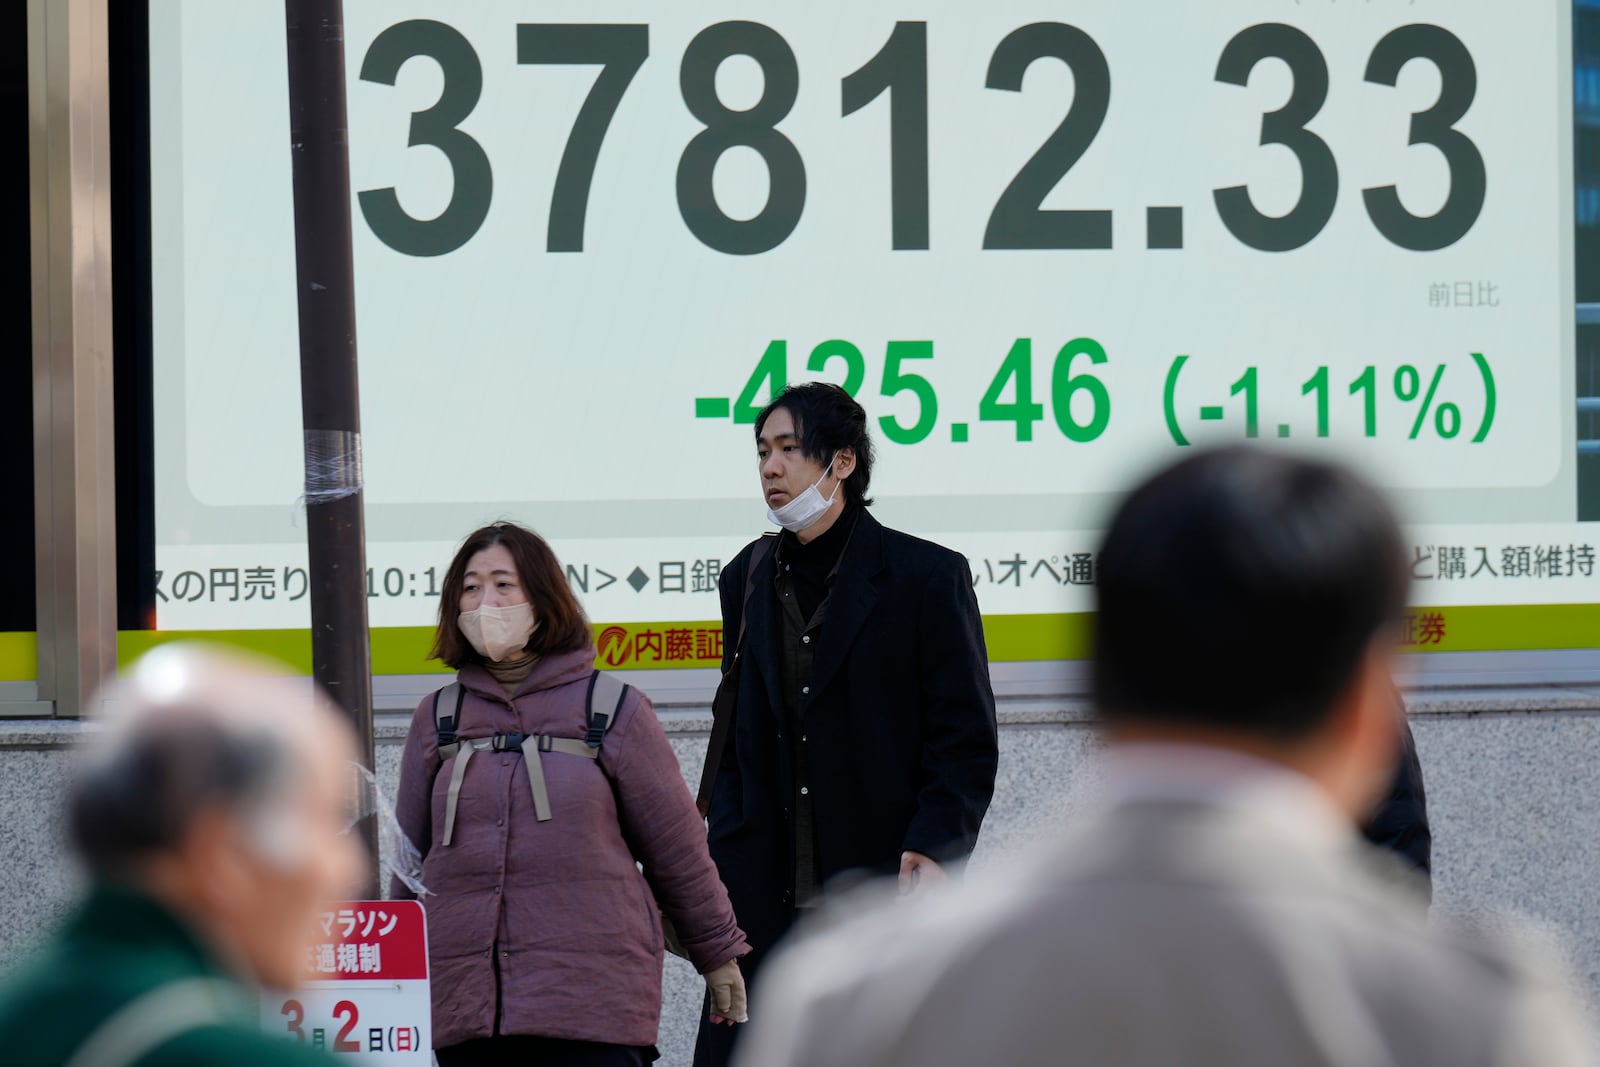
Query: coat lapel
762 635
850 602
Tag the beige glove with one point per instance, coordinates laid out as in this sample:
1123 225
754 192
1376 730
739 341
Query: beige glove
726 986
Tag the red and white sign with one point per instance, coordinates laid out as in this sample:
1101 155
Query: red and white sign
365 993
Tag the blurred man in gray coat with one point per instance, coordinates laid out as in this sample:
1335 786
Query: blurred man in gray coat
1212 903
210 809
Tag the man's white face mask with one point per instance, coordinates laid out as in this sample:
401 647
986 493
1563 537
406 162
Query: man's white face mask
803 511
499 632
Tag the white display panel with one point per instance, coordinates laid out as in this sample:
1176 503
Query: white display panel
577 338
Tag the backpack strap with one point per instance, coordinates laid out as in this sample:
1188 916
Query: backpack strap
445 722
453 797
534 761
605 698
722 704
606 694
446 717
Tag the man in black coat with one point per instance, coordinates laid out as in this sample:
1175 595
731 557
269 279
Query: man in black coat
864 738
1400 823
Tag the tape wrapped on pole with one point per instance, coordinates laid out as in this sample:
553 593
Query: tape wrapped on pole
398 851
333 465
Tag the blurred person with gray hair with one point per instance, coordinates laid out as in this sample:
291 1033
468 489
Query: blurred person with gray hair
209 810
1211 903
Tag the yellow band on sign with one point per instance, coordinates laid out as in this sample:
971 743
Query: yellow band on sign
19 657
1477 628
1011 639
404 649
1032 638
1501 628
395 649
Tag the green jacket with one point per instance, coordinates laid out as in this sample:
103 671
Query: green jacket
118 946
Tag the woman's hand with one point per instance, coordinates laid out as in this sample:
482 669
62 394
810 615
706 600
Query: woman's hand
726 985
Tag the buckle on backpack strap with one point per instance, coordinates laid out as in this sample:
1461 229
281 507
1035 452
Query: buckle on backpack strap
546 742
507 742
597 731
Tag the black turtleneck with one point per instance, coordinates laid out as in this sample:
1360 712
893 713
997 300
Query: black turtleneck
807 566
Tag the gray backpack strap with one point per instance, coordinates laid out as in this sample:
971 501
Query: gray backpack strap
534 762
606 694
154 1018
533 750
458 772
447 717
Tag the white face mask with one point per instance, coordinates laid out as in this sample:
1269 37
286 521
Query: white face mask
498 632
803 511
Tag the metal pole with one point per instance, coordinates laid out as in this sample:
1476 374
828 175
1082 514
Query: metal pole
329 397
69 186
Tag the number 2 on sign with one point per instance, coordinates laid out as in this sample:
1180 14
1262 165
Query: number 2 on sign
345 1009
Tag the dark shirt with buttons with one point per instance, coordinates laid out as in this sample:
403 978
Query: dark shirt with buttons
804 578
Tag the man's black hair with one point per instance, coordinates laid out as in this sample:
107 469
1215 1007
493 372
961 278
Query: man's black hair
1239 589
828 419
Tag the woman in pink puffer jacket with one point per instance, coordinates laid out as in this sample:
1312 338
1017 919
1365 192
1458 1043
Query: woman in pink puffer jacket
544 937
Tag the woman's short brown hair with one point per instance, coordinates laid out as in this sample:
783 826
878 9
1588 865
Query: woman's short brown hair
562 625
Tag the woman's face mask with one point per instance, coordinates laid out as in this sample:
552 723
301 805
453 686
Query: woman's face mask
498 632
